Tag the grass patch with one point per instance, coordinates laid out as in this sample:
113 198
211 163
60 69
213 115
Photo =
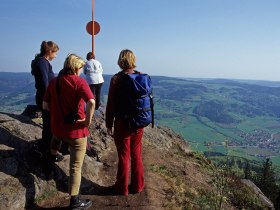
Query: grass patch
46 195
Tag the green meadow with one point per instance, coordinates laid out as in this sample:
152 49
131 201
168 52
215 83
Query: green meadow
209 113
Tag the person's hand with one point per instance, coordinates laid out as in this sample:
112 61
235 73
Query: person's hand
110 131
84 121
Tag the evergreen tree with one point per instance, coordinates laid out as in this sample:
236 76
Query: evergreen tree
247 171
277 204
267 181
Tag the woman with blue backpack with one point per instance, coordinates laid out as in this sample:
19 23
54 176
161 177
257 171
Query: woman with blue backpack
126 124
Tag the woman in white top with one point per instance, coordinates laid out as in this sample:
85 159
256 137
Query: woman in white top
93 71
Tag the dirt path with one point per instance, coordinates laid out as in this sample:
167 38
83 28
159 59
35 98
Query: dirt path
151 197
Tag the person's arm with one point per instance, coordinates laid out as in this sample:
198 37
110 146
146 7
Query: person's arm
90 106
85 93
43 66
110 107
47 98
87 68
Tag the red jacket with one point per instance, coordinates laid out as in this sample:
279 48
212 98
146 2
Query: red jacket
74 93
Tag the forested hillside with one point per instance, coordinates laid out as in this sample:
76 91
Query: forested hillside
236 118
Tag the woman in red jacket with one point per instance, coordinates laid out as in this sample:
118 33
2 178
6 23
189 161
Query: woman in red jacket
128 141
65 98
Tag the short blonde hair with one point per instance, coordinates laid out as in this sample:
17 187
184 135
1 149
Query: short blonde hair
127 60
72 64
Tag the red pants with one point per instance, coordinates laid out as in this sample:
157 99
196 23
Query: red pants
129 145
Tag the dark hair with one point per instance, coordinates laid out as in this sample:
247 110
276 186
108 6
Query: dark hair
47 46
90 55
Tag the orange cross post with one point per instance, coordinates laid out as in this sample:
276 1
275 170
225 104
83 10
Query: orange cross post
93 27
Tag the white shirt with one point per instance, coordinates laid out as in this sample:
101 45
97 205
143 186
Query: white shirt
93 71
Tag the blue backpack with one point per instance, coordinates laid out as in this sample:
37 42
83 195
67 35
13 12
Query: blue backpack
139 100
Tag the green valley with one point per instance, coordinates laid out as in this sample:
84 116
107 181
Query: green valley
220 115
237 118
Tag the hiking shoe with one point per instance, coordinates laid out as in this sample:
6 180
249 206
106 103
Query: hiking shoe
56 158
132 191
77 204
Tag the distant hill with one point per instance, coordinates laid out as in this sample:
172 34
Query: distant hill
16 91
255 82
233 117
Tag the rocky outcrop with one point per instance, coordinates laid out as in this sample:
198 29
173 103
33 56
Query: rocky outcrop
259 193
175 177
22 179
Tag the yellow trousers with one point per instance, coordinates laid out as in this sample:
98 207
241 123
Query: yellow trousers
77 155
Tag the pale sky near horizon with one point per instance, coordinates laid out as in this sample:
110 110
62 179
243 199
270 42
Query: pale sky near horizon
233 39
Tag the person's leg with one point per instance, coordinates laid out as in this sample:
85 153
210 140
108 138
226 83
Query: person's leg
137 171
46 132
39 99
47 162
121 185
92 88
77 155
97 94
122 142
41 145
46 140
55 145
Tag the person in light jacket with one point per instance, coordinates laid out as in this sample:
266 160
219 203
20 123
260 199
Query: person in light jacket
93 71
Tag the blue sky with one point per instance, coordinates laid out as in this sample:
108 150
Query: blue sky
238 39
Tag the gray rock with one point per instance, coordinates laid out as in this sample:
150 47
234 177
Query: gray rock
22 179
259 193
